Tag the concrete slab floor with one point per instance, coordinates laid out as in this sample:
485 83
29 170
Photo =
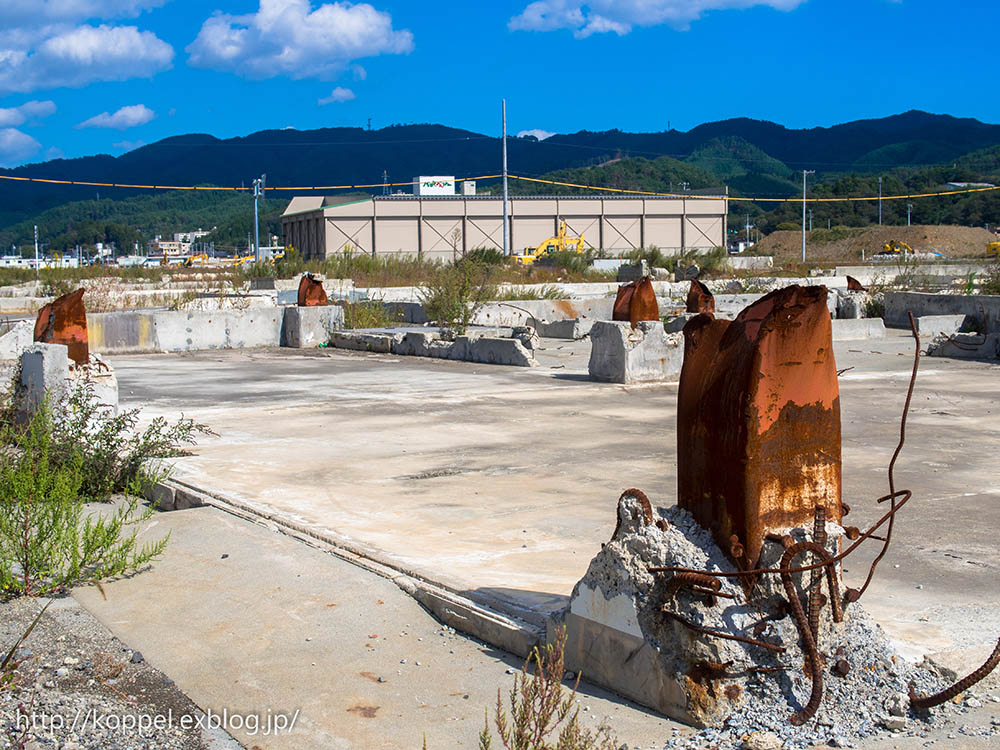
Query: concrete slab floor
503 481
250 621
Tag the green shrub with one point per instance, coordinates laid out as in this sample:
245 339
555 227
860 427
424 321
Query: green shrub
457 293
109 451
543 715
489 256
47 540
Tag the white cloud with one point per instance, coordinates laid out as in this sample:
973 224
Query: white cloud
129 145
16 147
27 12
537 133
620 16
288 37
339 94
126 117
75 56
33 110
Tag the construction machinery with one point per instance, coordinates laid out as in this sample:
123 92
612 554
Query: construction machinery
993 248
559 243
895 247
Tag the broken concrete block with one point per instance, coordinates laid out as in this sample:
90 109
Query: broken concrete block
44 374
966 346
850 305
161 496
646 354
365 342
492 351
306 327
858 328
573 329
939 325
676 323
102 379
17 339
417 344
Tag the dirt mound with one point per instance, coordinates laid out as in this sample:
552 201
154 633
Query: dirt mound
844 244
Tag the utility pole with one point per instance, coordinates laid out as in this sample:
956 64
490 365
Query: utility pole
804 173
909 210
748 230
506 223
258 193
880 201
810 219
36 252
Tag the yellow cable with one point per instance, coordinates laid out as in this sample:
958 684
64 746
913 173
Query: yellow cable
622 191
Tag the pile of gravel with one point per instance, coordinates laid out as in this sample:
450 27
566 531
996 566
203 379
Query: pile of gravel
77 687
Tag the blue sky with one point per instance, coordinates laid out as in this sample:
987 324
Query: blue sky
80 77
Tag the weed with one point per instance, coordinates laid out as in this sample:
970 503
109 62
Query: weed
110 453
47 543
371 314
990 282
514 293
543 715
458 292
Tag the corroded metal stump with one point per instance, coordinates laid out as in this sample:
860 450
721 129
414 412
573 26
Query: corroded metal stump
311 292
758 420
64 321
636 302
699 298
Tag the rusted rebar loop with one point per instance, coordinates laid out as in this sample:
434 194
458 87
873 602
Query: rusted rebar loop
680 580
805 632
718 634
959 687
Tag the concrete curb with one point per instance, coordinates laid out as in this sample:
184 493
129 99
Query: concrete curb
505 630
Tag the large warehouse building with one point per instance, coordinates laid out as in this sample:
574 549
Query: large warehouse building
445 226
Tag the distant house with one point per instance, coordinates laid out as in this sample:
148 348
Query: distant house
963 185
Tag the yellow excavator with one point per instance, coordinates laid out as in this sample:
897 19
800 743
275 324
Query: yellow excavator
552 245
895 247
993 248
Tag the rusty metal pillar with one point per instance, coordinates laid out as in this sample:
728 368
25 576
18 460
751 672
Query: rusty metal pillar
636 301
758 420
64 321
311 292
700 299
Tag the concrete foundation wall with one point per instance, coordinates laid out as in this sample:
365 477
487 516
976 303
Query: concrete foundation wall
984 308
147 332
484 349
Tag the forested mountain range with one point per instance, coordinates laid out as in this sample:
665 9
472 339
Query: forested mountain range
914 150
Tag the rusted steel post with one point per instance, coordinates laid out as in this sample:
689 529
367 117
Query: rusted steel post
636 301
699 299
64 321
758 420
311 292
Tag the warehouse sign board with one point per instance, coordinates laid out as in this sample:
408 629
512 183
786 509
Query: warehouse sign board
434 185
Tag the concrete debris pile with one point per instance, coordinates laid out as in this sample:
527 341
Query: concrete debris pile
619 632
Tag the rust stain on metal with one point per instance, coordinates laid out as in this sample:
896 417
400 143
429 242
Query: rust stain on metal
700 299
758 419
311 292
635 302
64 321
853 285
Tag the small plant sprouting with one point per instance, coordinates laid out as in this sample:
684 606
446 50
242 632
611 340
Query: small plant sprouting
543 714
